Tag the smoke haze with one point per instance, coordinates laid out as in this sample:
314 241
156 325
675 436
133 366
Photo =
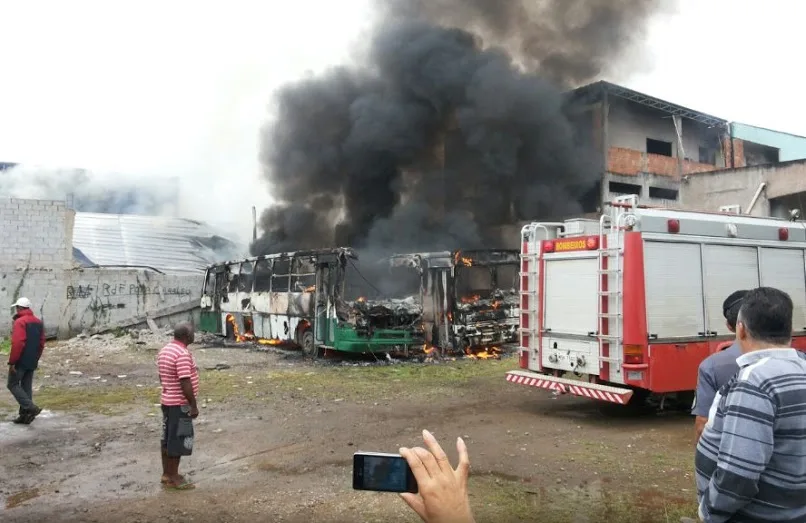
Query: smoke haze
454 125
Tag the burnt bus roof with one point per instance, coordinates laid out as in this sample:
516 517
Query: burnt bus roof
318 253
481 257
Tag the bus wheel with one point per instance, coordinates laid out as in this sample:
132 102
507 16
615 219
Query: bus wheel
308 345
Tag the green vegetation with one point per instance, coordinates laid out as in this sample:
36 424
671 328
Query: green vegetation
499 500
5 346
99 400
402 380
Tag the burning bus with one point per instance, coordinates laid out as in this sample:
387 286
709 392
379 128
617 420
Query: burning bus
469 298
298 298
322 299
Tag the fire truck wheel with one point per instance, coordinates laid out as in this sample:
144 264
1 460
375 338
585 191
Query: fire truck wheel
637 406
306 341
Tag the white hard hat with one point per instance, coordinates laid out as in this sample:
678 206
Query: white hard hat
25 303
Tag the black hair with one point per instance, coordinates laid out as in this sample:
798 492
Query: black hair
767 315
731 306
183 330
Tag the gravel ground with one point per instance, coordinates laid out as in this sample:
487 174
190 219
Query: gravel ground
276 436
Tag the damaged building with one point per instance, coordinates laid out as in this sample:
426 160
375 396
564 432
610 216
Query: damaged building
95 272
651 147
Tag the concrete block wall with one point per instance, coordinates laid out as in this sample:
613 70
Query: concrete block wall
96 298
35 233
36 261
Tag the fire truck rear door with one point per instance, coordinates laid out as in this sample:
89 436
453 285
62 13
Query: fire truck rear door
571 313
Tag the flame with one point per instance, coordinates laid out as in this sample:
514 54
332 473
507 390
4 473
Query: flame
486 353
231 321
312 288
249 335
361 299
427 349
467 262
470 299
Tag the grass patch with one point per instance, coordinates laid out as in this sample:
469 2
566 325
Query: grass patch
356 382
609 459
497 500
5 346
99 400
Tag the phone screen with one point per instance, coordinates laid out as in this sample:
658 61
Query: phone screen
385 473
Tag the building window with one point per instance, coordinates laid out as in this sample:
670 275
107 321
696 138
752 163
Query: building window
708 155
658 147
660 193
624 188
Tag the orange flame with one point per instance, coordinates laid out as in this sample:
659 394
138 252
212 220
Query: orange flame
249 335
470 299
312 288
486 353
467 262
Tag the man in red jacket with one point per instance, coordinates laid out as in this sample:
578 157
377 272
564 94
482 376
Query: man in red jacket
27 344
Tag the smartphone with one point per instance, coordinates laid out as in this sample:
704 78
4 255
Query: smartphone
382 473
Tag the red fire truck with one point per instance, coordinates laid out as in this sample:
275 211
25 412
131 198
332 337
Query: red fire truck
626 308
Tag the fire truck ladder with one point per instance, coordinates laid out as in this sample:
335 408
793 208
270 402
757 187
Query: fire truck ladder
530 295
611 250
530 238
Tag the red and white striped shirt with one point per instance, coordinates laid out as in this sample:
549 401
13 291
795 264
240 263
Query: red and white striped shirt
175 362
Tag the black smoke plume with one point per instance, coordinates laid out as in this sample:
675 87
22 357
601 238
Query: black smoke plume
453 127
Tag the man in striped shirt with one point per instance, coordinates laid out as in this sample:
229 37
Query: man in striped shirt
179 378
750 462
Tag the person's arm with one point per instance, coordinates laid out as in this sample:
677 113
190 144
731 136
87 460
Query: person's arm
18 338
42 341
745 450
184 371
704 397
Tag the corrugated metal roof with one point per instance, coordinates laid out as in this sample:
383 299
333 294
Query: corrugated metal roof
163 243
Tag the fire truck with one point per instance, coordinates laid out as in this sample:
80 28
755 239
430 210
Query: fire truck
625 308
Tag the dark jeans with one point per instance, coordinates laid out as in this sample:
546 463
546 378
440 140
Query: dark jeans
20 383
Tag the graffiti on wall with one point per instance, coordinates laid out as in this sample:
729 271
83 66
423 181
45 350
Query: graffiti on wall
110 290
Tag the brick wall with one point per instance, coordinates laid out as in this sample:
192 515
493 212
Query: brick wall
738 152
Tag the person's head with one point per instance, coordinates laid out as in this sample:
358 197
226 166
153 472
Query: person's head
765 320
730 308
21 304
185 333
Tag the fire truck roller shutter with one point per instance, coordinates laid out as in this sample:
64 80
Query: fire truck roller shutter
673 282
785 269
570 290
726 268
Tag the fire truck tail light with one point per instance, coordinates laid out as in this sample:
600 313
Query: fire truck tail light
783 234
673 226
633 354
524 359
548 246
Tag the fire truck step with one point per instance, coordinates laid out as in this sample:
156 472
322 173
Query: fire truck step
565 385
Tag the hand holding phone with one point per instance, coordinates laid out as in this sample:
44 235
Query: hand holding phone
382 472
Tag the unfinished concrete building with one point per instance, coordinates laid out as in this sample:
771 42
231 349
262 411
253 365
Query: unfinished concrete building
650 147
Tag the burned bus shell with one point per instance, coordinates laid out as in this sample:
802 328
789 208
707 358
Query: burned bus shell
469 298
294 297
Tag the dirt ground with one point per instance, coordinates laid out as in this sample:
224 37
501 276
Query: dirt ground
276 434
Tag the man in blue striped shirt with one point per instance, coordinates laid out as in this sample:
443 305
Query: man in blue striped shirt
751 458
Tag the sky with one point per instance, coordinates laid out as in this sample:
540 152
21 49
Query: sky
181 89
